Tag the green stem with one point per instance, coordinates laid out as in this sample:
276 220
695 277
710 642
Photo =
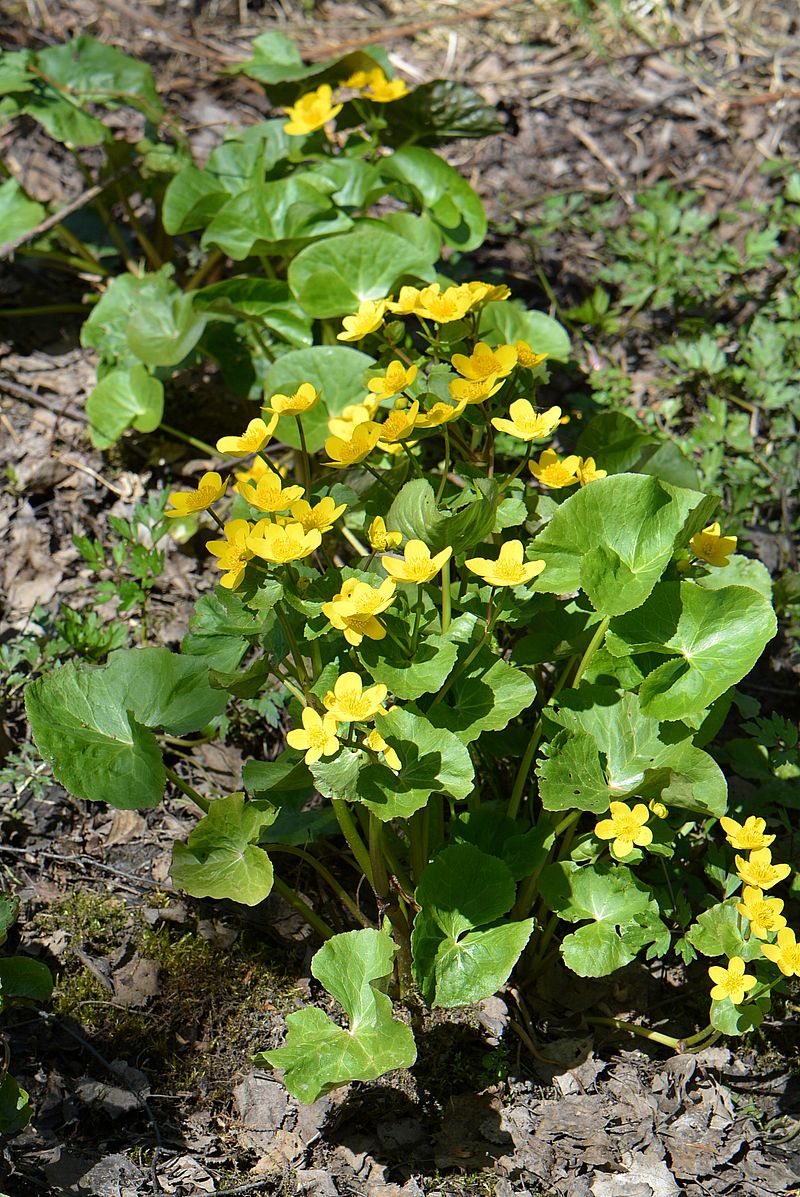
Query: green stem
524 769
377 858
302 908
518 470
327 877
635 1029
203 446
188 790
377 478
470 657
205 268
446 598
445 467
591 648
354 841
305 460
417 622
294 647
419 826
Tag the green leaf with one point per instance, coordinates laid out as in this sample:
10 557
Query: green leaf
610 750
738 1020
164 327
462 890
96 73
614 539
441 191
9 911
64 121
408 677
616 441
714 638
491 830
276 61
277 216
414 513
18 214
740 571
439 111
319 1055
267 301
433 761
192 200
487 696
15 75
124 399
510 322
718 932
221 858
15 1110
106 327
332 277
616 903
92 724
21 977
337 371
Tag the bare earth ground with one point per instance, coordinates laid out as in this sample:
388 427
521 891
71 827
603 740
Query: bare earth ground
141 1076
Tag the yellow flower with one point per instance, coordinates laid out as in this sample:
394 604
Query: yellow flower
367 319
349 702
209 489
355 413
440 413
381 90
232 553
279 543
626 828
321 516
526 423
269 493
354 609
347 452
358 79
527 357
399 425
256 470
443 306
379 538
747 836
376 742
759 871
395 380
485 361
253 439
305 397
588 472
763 914
317 735
468 390
658 808
509 569
417 565
711 546
311 111
551 471
487 293
785 953
731 982
406 302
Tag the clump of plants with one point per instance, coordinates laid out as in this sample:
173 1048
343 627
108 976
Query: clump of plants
504 665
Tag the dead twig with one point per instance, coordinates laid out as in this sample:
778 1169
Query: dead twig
49 222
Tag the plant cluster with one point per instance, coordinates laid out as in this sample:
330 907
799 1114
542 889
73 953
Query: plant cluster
436 580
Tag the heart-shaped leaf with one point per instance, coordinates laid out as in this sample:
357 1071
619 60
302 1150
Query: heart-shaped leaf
221 858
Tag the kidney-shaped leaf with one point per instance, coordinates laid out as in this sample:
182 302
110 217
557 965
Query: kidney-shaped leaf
221 858
487 696
713 637
441 191
610 750
331 277
613 539
319 1055
458 957
277 215
92 724
18 214
510 323
124 399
